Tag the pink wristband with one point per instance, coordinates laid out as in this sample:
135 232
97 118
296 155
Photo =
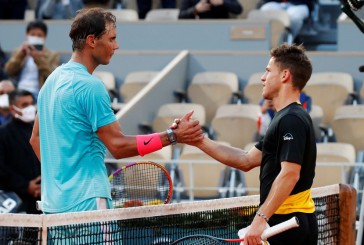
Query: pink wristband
148 143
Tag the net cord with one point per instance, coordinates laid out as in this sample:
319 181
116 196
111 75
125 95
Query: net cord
27 220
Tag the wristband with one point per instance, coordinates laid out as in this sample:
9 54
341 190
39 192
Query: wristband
148 143
262 216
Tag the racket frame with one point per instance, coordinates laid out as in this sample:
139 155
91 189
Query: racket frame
166 174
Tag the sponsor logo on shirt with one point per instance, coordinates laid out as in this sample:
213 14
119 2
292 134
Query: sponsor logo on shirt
287 136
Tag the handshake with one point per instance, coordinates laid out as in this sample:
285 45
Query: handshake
187 130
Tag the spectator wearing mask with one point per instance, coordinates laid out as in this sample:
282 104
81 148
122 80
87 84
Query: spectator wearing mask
32 62
6 86
19 166
209 9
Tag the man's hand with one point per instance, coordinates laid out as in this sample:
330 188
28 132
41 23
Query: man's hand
202 6
187 130
35 53
255 231
34 187
31 51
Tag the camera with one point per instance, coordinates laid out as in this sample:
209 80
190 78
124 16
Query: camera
38 46
37 42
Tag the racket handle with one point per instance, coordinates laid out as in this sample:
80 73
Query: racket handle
281 227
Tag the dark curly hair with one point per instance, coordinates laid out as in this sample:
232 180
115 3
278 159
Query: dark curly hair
89 21
293 58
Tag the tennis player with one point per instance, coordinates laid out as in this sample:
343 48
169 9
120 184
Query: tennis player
286 155
75 123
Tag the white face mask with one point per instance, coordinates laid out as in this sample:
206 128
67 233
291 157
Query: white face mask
4 101
28 113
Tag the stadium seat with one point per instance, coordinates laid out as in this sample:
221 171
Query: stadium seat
280 25
107 77
348 126
329 90
333 152
317 115
125 14
236 124
29 15
248 5
134 82
208 180
253 89
162 15
252 177
109 80
168 112
212 89
362 93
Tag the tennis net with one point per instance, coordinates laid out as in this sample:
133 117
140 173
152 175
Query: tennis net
162 224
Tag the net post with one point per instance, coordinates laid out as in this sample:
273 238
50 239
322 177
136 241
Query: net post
44 239
347 203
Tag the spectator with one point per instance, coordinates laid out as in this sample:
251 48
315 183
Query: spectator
298 11
144 6
58 9
32 62
209 9
19 166
13 9
268 112
6 86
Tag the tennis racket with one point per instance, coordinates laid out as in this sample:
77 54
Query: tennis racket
140 184
211 240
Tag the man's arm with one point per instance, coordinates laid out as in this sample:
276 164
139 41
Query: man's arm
281 189
231 156
122 146
34 139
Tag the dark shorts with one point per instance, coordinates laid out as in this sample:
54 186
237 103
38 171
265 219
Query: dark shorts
305 234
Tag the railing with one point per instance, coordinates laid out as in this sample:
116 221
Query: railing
228 188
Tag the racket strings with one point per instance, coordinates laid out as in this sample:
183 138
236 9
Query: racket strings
140 184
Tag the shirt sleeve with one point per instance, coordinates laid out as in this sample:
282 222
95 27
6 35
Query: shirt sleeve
97 105
259 145
292 139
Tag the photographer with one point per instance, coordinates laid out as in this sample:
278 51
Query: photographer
32 62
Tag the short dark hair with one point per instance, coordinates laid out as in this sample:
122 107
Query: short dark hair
37 24
14 95
89 21
293 58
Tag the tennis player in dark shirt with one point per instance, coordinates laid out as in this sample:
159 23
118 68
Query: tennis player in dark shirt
286 155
